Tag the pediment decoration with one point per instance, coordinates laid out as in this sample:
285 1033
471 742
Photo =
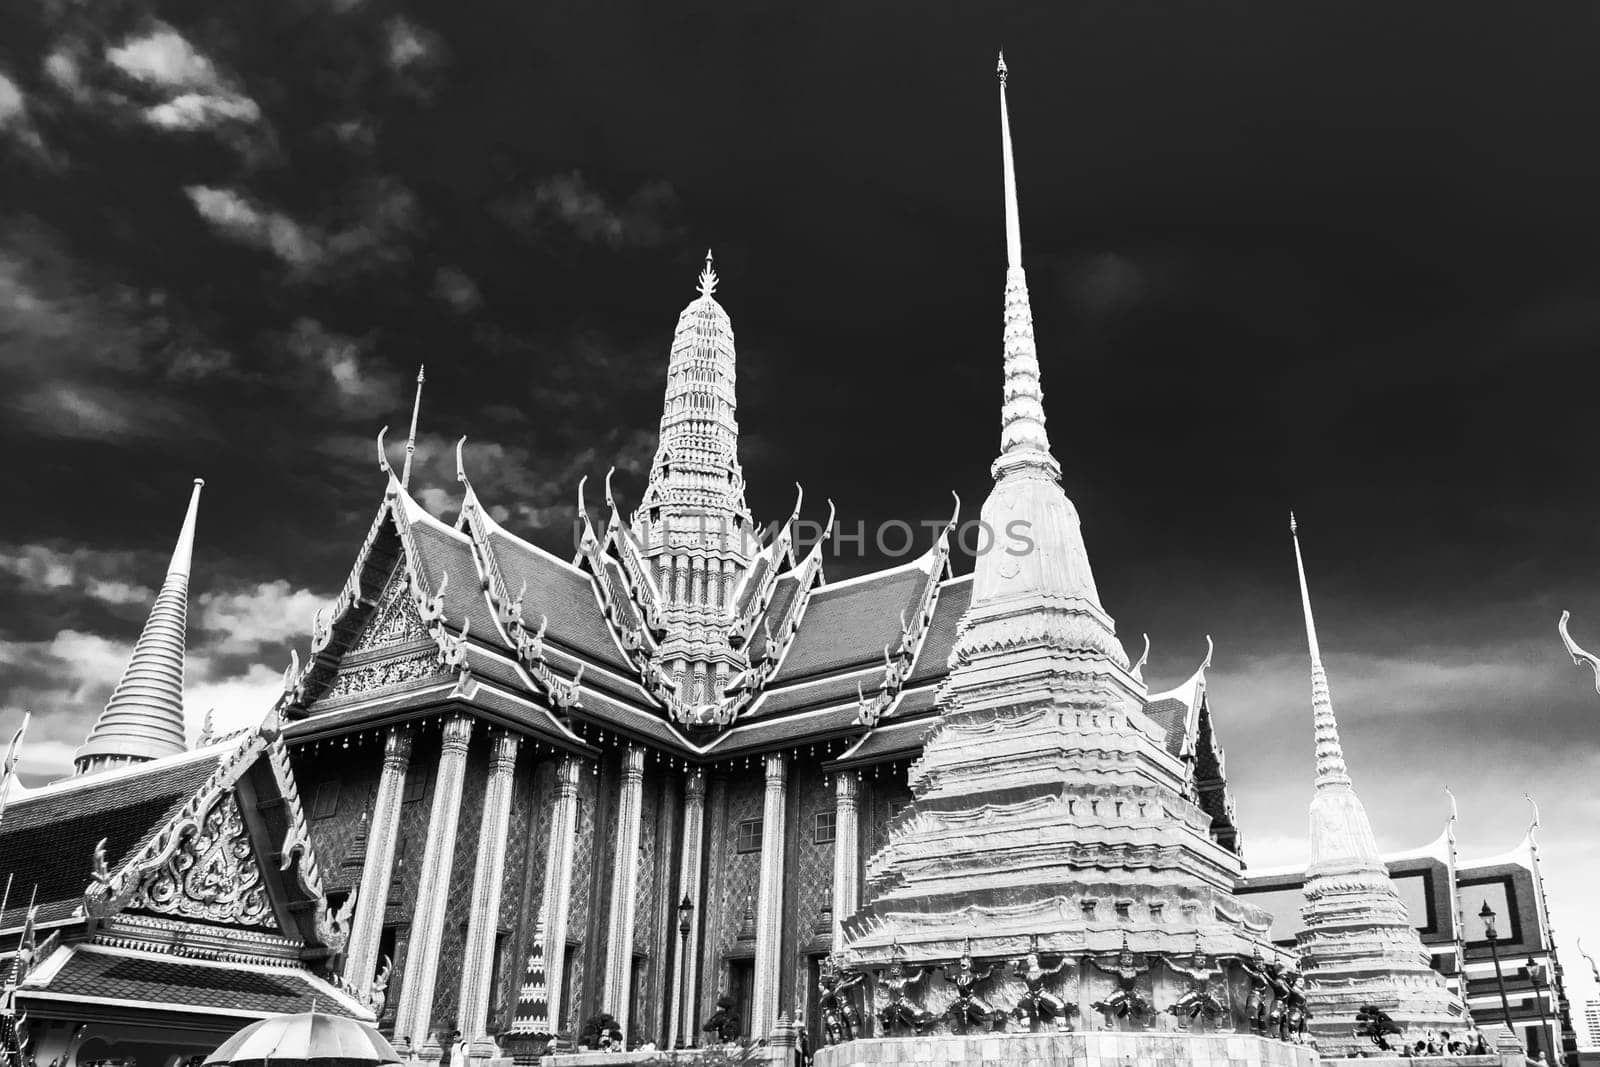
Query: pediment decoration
212 876
396 620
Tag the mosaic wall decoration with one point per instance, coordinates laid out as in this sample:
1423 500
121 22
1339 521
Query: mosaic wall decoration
808 871
463 868
527 840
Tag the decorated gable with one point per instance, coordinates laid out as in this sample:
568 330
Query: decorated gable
212 874
396 622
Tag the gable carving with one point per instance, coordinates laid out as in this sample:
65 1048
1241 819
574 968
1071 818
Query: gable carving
396 620
212 876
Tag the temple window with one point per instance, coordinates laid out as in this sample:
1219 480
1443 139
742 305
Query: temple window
823 827
327 802
748 838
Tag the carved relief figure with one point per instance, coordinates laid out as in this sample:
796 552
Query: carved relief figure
1296 1014
839 1016
1038 1004
1259 1002
1127 1002
968 1009
1197 1008
898 1010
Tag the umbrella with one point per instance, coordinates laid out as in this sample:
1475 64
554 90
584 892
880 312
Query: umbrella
307 1038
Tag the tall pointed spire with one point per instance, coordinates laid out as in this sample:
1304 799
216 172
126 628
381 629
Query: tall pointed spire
1358 946
411 438
1023 440
1331 769
144 718
1049 566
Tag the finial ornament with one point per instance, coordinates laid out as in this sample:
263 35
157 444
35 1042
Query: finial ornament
1293 529
1579 655
411 439
708 277
1000 68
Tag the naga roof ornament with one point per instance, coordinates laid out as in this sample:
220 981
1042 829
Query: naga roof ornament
144 718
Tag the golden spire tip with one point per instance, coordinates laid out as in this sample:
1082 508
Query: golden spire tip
1001 69
1293 529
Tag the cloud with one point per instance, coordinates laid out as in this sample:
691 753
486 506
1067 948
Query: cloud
242 219
646 219
164 58
163 61
244 621
360 384
14 118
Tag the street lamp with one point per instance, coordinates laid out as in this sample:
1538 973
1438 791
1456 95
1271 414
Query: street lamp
685 921
1536 975
1487 915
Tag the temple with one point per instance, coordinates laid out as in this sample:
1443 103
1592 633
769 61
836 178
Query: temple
1358 942
677 787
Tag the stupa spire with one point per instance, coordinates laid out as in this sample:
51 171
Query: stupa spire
1023 440
411 438
1331 769
1358 945
144 718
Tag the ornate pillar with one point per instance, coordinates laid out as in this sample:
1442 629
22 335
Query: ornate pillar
433 895
558 885
681 1021
846 851
361 958
769 901
617 998
483 917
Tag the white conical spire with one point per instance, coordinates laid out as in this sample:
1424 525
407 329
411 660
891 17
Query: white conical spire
1331 769
144 718
1023 441
1359 945
1037 557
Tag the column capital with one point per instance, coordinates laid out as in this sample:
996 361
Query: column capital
633 763
777 769
694 785
457 731
397 747
503 757
568 772
847 788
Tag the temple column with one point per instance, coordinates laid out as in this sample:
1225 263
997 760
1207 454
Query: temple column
769 901
681 1021
415 1013
617 998
483 916
558 885
361 957
846 851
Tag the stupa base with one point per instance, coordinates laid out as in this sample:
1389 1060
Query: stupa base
1101 1048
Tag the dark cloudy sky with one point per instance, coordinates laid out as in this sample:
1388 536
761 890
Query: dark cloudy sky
1339 257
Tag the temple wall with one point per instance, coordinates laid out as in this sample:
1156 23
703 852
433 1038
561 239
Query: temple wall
452 945
731 876
808 879
528 839
349 776
585 855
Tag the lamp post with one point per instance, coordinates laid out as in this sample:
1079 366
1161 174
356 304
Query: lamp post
685 921
1536 975
1487 915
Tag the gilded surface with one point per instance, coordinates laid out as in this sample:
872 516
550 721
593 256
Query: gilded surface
213 875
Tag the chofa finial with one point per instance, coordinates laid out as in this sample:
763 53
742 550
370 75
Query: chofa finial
708 277
1000 68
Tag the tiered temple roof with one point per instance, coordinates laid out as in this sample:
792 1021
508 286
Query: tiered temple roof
181 889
